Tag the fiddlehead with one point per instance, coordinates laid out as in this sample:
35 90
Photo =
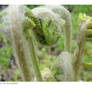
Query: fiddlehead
64 14
48 28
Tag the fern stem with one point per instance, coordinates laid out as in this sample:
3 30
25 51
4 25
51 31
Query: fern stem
20 46
34 59
80 49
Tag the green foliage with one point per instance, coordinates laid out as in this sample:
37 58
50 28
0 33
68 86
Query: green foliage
5 52
33 6
80 9
5 56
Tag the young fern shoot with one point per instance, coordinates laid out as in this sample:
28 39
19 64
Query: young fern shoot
49 28
19 42
80 49
67 27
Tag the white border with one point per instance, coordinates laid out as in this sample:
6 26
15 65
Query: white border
46 87
53 2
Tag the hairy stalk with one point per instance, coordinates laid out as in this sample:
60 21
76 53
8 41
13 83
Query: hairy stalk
64 13
66 66
34 58
20 45
80 49
29 17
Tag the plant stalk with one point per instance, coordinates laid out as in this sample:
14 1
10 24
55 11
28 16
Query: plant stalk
20 46
80 49
34 58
